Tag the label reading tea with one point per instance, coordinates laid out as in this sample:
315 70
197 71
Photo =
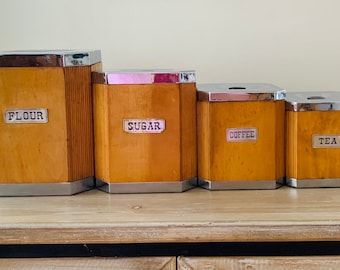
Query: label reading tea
326 141
19 116
241 134
144 125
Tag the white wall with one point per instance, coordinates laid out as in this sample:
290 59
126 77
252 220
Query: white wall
294 44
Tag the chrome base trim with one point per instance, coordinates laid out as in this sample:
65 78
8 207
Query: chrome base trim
48 189
312 183
230 185
146 187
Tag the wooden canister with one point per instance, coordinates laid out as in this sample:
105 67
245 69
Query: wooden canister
46 132
313 139
240 136
145 131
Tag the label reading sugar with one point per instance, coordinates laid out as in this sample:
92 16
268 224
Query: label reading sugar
20 116
326 141
241 134
144 125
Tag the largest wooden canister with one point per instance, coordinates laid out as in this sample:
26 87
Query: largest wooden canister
46 130
240 136
145 131
313 139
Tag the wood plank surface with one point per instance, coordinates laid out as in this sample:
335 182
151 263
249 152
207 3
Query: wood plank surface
198 215
140 263
260 263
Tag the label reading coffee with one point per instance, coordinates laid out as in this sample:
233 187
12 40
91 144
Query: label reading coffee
19 116
241 134
144 125
326 141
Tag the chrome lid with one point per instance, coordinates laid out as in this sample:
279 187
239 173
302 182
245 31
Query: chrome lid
312 101
55 58
220 92
143 77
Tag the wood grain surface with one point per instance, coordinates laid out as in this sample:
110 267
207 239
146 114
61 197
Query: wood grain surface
220 160
140 263
304 161
79 121
145 157
60 150
30 152
260 263
197 215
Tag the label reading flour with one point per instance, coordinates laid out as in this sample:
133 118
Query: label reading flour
326 141
19 116
241 134
144 125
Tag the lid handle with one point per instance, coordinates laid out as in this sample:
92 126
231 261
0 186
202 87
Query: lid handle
316 97
237 88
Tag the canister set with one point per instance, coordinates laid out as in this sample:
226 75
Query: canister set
68 127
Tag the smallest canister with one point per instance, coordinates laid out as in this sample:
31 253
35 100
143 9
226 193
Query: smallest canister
240 136
313 139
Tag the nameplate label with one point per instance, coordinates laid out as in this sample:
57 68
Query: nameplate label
241 134
326 141
20 116
144 125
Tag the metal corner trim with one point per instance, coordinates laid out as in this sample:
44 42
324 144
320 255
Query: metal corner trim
81 58
146 187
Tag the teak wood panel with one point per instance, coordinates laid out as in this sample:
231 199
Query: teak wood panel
197 215
188 154
138 263
32 153
79 119
220 160
145 157
304 161
260 263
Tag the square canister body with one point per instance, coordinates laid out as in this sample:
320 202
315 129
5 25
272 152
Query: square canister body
313 139
46 132
145 131
240 136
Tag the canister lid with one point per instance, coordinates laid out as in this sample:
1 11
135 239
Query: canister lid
219 92
313 101
57 58
143 77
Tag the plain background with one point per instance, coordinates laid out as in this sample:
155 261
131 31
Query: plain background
294 44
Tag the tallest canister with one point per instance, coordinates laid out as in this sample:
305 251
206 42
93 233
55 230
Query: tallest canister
46 137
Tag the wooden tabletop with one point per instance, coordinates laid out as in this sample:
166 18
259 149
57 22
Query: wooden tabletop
198 215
